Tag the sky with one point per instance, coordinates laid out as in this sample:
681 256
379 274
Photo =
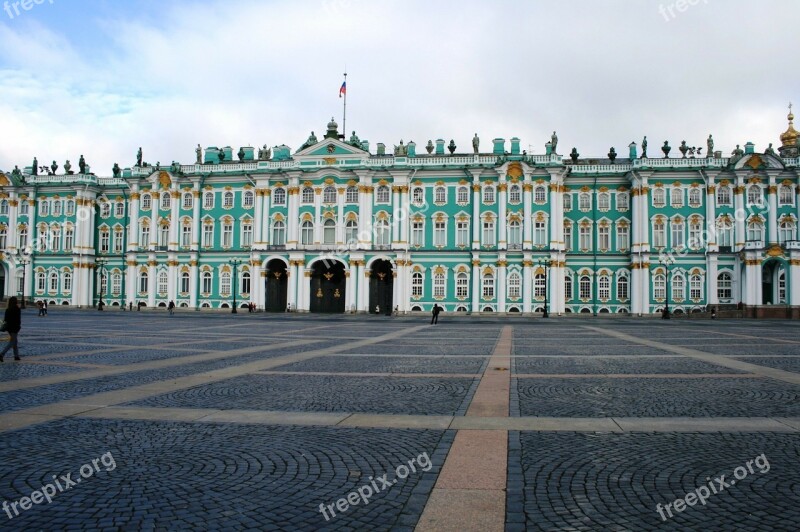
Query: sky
100 78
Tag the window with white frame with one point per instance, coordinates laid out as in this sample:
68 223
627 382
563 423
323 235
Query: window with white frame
307 196
724 232
724 196
22 237
417 233
307 232
144 233
622 287
623 201
462 233
163 235
585 237
514 283
208 200
659 234
514 234
143 283
105 210
678 288
383 233
186 235
184 283
146 202
70 208
754 196
462 195
695 197
724 286
604 237
786 231
677 234
603 201
488 286
623 237
567 201
166 202
540 233
438 285
225 284
4 207
676 197
278 233
69 239
279 196
488 194
539 286
439 233
755 231
329 194
3 237
416 284
440 195
584 201
57 207
585 288
785 195
105 238
488 232
540 194
382 194
604 288
695 287
514 194
351 232
188 201
462 285
567 236
247 233
659 287
244 287
44 208
567 287
208 235
55 239
67 280
41 282
207 282
54 282
695 234
163 283
23 208
227 200
418 195
659 197
248 199
329 232
351 194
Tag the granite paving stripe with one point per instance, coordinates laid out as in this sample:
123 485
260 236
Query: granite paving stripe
637 376
365 374
781 375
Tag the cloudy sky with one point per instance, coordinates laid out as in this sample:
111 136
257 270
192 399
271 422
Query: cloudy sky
103 77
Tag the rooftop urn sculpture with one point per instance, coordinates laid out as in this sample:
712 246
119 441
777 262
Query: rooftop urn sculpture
612 154
429 147
574 155
54 167
68 167
452 146
666 148
644 147
683 149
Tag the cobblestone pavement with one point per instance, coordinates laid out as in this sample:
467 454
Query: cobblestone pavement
258 433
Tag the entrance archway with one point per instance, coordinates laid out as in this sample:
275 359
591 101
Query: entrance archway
276 286
381 287
773 283
328 287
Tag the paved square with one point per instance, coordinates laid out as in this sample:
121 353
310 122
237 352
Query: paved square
252 421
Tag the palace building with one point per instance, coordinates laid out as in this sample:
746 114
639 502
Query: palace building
335 227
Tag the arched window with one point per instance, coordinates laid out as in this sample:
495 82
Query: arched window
438 285
724 196
208 200
724 286
248 199
351 194
166 201
105 209
225 284
488 194
143 283
184 283
676 197
146 202
695 287
678 287
754 195
382 194
329 232
785 195
278 233
41 281
567 287
659 197
540 194
70 208
622 288
567 200
786 231
755 232
68 282
439 195
514 194
351 232
116 283
329 194
514 234
207 283
695 197
245 283
188 200
163 283
604 288
416 284
514 286
307 232
604 201
227 200
677 234
4 207
462 195
488 232
539 286
462 285
659 287
279 196
488 286
383 236
696 234
3 237
585 287
307 196
622 201
724 233
53 282
584 201
417 195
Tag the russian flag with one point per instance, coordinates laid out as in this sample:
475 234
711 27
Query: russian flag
343 89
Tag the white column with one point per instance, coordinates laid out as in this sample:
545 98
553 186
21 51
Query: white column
711 280
152 280
501 285
266 199
711 216
258 222
197 200
317 215
772 215
293 218
476 216
11 234
502 223
365 216
738 202
645 287
476 284
794 282
133 227
172 278
154 225
555 301
406 207
396 208
193 286
304 290
527 207
174 219
556 228
351 275
363 282
293 274
527 288
256 294
340 216
131 280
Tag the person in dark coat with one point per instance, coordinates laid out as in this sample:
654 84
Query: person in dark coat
13 323
435 313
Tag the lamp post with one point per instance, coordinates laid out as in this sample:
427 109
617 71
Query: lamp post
665 263
100 263
545 264
235 263
23 261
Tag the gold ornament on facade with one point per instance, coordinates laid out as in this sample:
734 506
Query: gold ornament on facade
527 187
502 187
514 170
502 263
164 179
775 251
772 189
476 188
476 262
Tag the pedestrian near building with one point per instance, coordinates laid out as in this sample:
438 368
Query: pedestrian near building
40 304
12 324
45 307
435 313
171 308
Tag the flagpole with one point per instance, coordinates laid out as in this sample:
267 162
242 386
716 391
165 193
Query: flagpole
344 111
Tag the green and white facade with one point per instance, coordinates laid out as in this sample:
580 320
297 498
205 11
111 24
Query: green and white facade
336 228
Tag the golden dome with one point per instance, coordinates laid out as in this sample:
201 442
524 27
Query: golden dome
789 137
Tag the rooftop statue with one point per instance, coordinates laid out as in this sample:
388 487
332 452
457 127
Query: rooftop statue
401 149
16 172
35 169
769 150
139 157
240 154
312 139
644 147
476 142
612 155
82 164
554 141
199 153
710 146
264 154
116 170
355 141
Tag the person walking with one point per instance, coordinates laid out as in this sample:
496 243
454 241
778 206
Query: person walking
12 325
45 307
171 308
435 313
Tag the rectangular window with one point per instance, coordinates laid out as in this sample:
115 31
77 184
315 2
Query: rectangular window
604 238
462 233
116 284
227 235
585 236
677 235
488 287
659 236
69 238
186 236
247 234
623 238
104 241
488 233
118 242
439 234
417 234
208 235
540 233
622 201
